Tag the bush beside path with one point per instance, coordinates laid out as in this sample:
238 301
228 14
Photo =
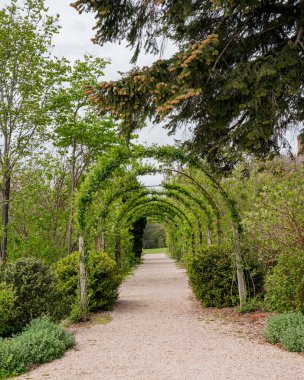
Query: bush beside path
157 332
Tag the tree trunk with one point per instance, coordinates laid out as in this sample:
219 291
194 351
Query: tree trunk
82 281
72 189
6 191
239 267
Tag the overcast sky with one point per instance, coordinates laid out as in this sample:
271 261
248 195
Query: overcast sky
74 41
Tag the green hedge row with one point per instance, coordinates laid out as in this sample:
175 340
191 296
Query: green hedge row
30 289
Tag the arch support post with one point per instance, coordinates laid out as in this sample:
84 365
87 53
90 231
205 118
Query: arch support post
193 243
102 241
83 280
239 266
209 237
118 251
200 238
219 232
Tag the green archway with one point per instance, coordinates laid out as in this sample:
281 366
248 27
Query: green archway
168 156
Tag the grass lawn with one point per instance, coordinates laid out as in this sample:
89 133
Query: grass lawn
155 250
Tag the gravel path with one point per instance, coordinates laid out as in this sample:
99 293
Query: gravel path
156 334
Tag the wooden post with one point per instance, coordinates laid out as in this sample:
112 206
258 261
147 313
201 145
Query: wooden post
239 266
97 244
82 280
193 244
209 237
102 241
118 252
200 238
219 232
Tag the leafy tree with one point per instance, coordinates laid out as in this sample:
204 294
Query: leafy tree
237 80
154 236
40 208
28 76
269 196
78 128
137 231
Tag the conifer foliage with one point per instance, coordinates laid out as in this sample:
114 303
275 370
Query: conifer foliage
237 80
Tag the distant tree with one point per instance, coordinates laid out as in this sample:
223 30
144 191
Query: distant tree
137 232
237 81
28 77
154 236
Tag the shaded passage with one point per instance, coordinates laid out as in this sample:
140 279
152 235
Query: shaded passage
156 334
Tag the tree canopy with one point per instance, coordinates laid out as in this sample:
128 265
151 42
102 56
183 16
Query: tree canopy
237 81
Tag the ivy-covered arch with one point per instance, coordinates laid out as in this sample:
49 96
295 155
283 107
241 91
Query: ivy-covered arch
181 190
163 154
168 155
142 196
143 170
153 209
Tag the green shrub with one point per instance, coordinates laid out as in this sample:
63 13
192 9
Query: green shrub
35 293
287 329
212 276
42 341
7 308
66 272
103 279
285 285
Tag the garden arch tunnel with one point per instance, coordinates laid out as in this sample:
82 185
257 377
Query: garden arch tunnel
173 190
127 158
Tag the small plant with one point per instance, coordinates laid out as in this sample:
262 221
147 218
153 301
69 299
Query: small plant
103 320
287 329
250 306
40 342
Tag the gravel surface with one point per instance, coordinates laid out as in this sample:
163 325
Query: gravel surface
157 334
